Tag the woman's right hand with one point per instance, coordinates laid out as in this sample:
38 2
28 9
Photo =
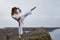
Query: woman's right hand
19 9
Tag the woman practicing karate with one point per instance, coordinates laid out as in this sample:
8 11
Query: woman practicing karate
17 14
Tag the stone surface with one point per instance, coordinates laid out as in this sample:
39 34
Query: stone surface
35 34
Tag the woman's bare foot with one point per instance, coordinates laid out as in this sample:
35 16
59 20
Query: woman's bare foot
19 36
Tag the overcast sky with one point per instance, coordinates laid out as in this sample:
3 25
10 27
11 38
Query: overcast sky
47 13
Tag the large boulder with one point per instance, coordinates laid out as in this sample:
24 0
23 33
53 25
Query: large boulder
33 34
37 34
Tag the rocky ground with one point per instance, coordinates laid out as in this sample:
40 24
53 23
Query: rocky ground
39 34
36 34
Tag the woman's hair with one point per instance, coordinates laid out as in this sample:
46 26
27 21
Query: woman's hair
12 11
14 8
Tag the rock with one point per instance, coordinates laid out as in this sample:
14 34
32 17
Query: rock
37 34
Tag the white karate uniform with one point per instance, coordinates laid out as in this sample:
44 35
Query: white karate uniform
22 17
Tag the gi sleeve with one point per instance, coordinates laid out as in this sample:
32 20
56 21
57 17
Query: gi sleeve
26 14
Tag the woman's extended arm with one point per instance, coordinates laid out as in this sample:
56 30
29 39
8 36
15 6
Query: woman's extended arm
28 13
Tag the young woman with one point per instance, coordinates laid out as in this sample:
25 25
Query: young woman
17 14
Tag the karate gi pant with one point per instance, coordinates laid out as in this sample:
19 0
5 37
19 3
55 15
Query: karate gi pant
20 28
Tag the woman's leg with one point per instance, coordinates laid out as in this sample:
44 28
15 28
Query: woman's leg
20 29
